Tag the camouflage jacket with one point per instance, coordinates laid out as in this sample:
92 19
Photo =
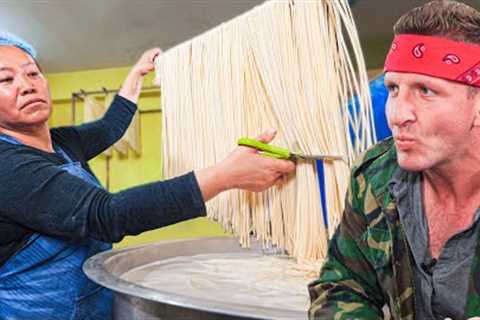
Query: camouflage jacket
369 263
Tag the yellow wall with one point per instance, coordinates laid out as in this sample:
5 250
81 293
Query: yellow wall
134 170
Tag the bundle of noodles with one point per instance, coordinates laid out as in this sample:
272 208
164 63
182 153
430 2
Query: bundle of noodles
291 65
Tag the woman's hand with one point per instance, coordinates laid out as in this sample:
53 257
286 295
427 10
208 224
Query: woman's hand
146 62
133 83
243 169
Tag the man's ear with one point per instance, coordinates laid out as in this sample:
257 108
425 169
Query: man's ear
476 121
476 106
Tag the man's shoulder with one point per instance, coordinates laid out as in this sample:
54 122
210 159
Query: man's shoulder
381 153
376 166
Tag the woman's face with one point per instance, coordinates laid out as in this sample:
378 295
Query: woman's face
25 101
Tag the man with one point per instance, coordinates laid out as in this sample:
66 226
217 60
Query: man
409 235
54 214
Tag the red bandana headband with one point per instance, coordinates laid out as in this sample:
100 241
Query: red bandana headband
435 57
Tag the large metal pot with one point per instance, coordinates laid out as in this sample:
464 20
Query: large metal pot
133 301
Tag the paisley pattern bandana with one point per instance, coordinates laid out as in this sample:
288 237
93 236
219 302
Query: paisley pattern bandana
436 57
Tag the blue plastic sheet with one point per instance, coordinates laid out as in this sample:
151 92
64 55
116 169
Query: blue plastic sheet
379 94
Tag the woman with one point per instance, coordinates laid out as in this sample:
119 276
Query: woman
53 212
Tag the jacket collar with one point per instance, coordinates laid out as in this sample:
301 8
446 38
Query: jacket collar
380 164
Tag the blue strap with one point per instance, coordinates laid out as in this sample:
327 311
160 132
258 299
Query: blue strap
10 139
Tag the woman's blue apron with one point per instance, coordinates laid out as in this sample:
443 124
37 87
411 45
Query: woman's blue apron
44 279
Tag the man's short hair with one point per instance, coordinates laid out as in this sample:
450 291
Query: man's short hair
444 18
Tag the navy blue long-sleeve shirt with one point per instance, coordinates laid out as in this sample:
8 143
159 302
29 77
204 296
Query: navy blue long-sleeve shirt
38 196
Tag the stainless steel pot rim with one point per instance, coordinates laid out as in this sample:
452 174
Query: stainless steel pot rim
95 269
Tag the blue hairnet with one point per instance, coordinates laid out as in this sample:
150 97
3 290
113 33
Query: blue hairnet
8 39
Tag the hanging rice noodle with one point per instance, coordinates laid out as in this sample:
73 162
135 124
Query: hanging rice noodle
292 65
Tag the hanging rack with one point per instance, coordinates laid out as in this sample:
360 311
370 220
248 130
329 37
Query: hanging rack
81 94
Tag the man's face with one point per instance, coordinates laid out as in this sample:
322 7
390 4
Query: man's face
24 95
433 121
